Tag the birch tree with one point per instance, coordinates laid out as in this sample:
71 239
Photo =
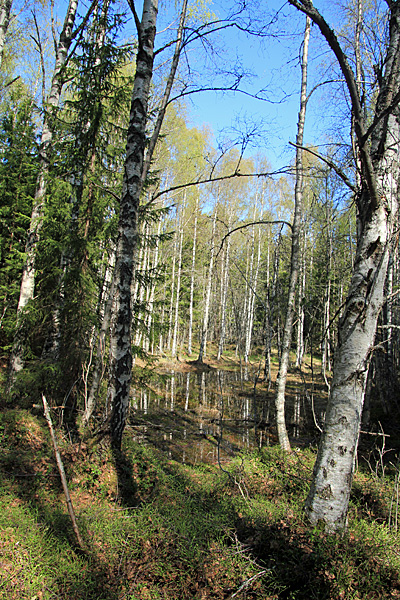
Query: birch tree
207 300
295 256
136 169
5 11
378 148
119 385
192 276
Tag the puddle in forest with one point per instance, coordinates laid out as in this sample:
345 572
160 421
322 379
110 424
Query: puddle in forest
206 416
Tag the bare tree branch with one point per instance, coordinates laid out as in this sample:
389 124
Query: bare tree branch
38 43
245 225
131 4
164 102
382 115
182 186
330 163
307 7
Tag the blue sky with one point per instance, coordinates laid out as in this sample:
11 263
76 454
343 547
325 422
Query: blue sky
274 62
275 65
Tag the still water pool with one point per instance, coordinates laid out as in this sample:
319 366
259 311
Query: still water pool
208 416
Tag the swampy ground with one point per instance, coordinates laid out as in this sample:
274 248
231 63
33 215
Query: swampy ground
155 527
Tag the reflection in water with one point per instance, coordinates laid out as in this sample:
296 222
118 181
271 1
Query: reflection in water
205 417
296 416
172 391
187 392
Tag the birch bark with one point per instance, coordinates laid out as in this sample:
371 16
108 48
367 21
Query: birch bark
301 314
377 202
151 295
5 11
120 380
171 303
204 329
136 168
192 274
295 256
178 286
271 309
224 293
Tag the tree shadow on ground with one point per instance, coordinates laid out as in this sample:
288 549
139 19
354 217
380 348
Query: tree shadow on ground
290 561
303 564
127 488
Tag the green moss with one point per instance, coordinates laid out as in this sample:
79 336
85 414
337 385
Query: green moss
158 529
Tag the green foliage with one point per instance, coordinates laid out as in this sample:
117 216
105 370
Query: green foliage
18 171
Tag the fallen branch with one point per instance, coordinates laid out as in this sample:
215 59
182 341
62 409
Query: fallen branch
246 584
62 474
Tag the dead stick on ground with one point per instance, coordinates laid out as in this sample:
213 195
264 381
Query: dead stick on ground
62 473
246 583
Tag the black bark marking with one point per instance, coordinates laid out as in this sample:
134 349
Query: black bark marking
372 248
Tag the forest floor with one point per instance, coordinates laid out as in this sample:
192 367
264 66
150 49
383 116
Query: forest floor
154 528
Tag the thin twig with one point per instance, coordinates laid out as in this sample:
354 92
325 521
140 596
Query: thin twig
246 583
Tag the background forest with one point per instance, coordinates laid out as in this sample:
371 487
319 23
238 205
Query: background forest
192 281
134 235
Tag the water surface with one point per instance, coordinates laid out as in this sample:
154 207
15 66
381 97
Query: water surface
208 416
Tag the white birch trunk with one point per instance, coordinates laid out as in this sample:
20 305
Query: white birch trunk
5 11
171 303
153 289
120 380
326 339
224 294
377 202
204 329
140 288
135 172
295 257
300 318
252 300
192 274
178 291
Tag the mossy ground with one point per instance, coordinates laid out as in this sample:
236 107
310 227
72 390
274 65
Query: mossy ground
157 529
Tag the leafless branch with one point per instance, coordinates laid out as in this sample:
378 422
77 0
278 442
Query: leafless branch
182 186
85 20
62 473
131 4
6 85
330 163
382 115
38 43
307 7
246 584
232 88
245 225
